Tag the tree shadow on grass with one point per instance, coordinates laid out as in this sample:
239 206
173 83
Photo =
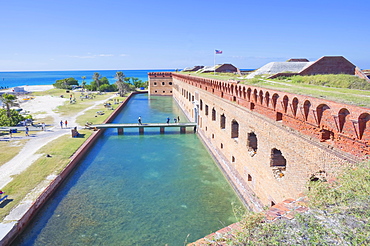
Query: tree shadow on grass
5 202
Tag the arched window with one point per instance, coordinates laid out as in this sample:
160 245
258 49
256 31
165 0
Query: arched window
234 129
285 103
320 111
274 100
342 118
261 98
255 96
294 106
213 114
267 98
362 122
249 92
222 121
306 109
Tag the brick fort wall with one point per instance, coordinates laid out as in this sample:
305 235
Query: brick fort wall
270 143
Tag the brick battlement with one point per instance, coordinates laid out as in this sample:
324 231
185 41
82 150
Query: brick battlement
159 74
346 127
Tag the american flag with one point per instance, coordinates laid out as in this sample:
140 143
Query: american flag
218 51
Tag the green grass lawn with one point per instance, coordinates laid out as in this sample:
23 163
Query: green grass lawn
60 149
352 96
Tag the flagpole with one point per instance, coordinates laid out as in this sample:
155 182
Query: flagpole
214 62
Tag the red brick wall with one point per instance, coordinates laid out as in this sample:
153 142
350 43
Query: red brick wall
314 136
349 125
160 83
330 65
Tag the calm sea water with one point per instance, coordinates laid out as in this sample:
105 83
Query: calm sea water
12 79
131 189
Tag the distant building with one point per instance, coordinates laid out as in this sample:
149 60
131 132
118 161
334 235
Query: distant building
301 66
220 68
192 69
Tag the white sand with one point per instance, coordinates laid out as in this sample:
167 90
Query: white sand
42 106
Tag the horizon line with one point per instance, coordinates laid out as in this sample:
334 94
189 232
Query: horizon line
87 70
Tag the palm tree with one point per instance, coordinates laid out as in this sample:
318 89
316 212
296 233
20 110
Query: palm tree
83 82
8 100
96 78
65 83
121 85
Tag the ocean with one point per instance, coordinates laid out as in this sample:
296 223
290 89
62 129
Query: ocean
13 79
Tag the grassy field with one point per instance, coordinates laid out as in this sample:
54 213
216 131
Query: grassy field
60 149
314 86
9 149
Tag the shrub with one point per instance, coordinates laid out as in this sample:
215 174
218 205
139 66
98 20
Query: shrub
65 83
14 119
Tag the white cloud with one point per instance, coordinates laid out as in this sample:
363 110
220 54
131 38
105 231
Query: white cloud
105 55
89 56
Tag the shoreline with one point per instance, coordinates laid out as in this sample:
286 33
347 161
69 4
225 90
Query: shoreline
28 88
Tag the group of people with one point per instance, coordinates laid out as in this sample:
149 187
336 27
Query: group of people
176 120
65 123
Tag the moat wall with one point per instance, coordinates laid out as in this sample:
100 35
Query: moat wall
269 143
11 229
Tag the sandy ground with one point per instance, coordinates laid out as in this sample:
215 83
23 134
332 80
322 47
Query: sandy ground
39 105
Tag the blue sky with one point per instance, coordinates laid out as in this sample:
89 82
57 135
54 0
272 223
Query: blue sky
143 34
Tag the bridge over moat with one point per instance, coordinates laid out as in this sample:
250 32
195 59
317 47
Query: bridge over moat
120 127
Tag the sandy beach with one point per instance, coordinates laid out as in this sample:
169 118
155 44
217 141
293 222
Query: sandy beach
42 106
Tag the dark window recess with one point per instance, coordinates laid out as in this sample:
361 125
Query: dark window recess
278 163
252 142
277 158
326 135
222 121
213 114
279 116
234 129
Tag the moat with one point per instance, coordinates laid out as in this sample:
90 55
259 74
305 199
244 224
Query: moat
131 189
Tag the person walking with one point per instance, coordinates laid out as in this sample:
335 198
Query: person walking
178 119
61 124
43 126
66 123
175 120
27 131
139 120
10 133
168 120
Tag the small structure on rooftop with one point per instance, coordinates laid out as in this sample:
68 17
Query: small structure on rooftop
301 66
192 69
220 68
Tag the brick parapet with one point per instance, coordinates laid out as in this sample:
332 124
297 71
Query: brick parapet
251 171
160 83
344 126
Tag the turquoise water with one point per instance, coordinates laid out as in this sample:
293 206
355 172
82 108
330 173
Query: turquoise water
12 79
131 189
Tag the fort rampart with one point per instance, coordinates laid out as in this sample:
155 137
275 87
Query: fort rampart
270 143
